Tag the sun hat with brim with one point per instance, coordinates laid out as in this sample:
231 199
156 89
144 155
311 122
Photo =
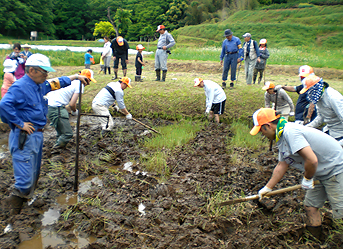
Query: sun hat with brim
26 46
305 71
89 74
227 32
10 66
139 46
40 60
309 82
262 116
197 81
126 80
268 85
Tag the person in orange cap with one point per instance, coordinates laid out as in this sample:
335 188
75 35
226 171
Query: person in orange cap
284 102
305 111
215 98
165 42
139 62
113 92
329 103
120 50
302 148
58 114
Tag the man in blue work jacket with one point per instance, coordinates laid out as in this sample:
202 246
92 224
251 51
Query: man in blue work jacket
232 53
25 110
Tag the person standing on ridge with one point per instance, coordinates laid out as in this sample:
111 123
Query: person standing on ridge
251 56
165 42
261 65
120 50
232 53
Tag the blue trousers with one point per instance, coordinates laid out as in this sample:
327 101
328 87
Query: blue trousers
26 162
230 60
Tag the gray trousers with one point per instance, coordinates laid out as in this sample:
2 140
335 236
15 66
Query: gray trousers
161 57
59 119
249 69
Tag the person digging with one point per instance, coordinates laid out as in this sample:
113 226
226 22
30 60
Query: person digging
113 92
302 148
215 98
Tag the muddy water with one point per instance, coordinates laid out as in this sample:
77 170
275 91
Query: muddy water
48 236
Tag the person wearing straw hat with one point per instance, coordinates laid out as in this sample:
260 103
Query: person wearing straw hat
24 108
113 92
58 114
26 53
302 148
9 69
215 98
329 103
232 53
284 102
261 65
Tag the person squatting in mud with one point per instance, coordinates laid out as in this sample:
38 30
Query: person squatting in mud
302 147
215 98
58 114
24 109
114 91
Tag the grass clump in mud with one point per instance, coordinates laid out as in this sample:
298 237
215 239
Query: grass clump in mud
242 137
171 136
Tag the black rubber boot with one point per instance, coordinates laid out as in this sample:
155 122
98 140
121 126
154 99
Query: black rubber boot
317 232
158 74
164 75
105 69
15 204
115 76
224 85
139 78
231 85
109 70
136 78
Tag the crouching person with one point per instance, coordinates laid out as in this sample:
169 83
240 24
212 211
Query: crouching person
113 92
302 148
215 98
58 114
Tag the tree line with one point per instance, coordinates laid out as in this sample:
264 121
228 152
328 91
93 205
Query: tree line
135 19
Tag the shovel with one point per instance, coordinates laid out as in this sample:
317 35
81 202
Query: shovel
255 197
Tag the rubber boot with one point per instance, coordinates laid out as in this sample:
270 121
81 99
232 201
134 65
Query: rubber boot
158 74
124 72
105 69
15 204
109 70
136 78
254 78
115 75
231 85
224 85
260 78
164 75
317 232
139 78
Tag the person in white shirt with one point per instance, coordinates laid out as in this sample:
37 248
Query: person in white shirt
114 91
107 55
58 114
215 98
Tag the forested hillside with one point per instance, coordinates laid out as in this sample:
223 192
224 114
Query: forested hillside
137 20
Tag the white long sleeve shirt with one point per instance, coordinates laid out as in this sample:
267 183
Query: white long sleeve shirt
214 93
105 98
107 49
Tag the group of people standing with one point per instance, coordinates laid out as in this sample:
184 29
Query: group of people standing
232 53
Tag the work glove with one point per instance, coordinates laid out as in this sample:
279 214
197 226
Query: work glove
306 120
278 87
263 191
207 111
129 116
307 183
116 108
75 113
291 114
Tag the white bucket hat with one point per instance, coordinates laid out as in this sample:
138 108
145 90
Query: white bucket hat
40 60
10 66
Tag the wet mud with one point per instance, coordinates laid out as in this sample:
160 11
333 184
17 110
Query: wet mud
130 208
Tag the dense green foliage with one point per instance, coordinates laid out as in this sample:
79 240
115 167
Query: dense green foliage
135 20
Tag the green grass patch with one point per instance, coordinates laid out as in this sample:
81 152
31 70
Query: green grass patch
242 137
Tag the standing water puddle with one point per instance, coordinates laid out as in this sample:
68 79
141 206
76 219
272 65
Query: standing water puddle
49 237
